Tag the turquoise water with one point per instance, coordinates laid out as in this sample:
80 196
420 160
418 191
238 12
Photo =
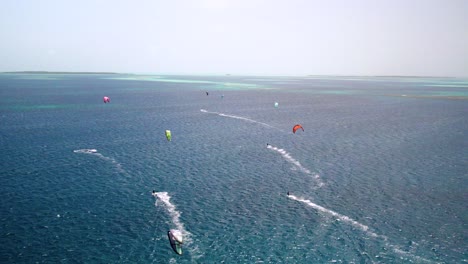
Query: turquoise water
379 174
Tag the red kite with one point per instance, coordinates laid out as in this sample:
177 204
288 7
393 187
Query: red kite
296 127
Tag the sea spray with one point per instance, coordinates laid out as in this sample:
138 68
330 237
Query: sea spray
287 156
240 118
94 152
362 227
336 215
175 216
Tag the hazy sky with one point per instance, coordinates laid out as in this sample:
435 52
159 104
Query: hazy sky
272 37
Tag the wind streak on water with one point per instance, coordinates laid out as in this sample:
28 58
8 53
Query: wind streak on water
175 215
95 153
287 156
240 118
355 223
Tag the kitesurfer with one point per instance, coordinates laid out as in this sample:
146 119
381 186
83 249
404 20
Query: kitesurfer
206 93
288 193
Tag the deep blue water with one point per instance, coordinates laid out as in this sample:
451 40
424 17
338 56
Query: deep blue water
379 174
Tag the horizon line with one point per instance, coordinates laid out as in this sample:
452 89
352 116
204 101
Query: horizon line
229 74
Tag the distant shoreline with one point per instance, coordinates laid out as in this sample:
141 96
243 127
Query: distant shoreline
57 72
383 76
232 75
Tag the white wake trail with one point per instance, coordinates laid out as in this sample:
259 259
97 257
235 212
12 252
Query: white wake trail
94 152
175 216
362 227
338 216
287 156
240 118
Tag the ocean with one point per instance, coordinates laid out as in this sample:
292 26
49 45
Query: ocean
378 175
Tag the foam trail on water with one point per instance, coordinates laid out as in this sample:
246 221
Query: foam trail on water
340 217
94 152
175 215
355 223
287 156
240 118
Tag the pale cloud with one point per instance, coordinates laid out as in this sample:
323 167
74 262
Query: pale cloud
359 37
216 4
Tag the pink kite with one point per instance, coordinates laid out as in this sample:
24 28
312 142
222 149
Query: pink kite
106 99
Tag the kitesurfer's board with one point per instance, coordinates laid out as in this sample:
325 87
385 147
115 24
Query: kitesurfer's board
89 151
177 235
175 238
